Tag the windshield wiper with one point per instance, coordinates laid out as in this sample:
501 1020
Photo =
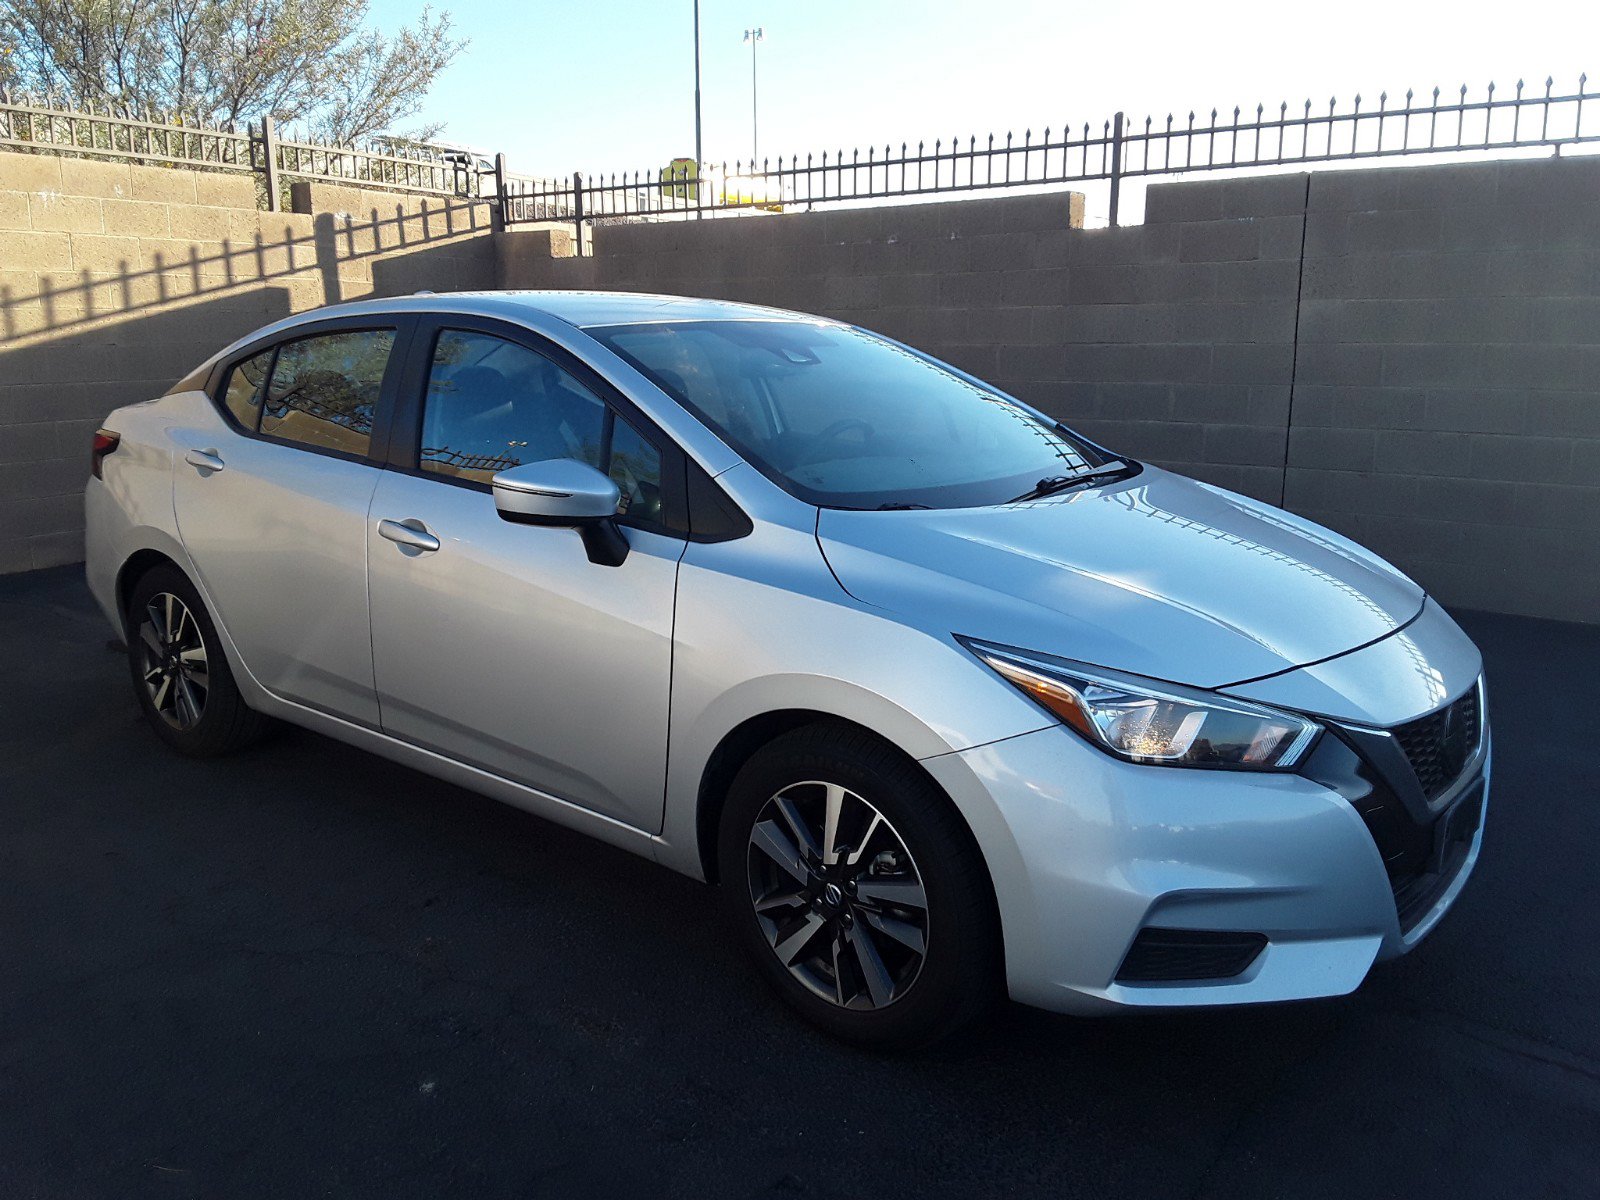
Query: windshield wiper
896 506
1051 484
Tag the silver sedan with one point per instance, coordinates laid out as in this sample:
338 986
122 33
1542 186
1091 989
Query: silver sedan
949 700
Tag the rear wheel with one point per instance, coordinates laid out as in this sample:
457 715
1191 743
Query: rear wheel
858 889
180 675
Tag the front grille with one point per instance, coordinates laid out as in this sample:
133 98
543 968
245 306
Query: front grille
1176 955
1438 745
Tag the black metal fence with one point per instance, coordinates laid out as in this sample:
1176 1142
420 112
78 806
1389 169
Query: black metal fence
1113 150
50 124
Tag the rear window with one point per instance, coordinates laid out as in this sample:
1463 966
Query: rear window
324 390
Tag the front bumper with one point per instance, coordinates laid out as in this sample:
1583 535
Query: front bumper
1085 851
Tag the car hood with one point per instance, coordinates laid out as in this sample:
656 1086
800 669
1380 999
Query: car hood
1157 575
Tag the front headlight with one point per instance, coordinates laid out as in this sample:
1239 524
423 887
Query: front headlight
1158 723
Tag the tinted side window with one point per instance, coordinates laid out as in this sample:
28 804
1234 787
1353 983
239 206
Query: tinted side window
324 390
493 404
243 397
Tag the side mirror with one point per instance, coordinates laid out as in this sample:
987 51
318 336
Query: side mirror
566 493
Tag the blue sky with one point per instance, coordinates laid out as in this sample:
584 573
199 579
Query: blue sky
604 85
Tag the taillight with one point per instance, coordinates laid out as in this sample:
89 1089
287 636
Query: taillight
104 443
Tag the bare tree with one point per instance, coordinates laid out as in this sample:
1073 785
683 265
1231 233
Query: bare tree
225 62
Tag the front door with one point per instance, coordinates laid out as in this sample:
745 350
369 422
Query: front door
505 647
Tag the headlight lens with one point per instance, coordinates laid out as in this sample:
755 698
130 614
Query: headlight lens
1158 723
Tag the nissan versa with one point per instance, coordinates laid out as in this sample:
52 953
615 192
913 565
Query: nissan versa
947 698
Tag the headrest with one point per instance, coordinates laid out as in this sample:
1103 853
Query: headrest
478 390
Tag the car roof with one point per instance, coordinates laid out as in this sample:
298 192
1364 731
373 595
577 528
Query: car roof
583 309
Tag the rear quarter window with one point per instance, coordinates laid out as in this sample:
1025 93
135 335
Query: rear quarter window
242 396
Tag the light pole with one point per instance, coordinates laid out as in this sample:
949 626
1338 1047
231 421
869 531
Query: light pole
699 151
753 36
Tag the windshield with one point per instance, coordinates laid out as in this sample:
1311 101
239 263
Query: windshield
844 419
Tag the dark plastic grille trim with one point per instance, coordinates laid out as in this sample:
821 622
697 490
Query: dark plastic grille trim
1439 745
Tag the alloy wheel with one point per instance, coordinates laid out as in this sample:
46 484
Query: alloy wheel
175 672
837 895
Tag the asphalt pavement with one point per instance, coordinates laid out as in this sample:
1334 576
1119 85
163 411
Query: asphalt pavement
307 972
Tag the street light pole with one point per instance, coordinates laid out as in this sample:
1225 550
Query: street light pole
699 151
753 36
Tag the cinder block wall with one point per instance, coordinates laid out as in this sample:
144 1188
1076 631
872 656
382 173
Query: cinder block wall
1173 339
1447 396
1409 355
115 280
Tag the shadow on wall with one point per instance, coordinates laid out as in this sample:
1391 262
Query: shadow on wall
329 262
79 376
125 328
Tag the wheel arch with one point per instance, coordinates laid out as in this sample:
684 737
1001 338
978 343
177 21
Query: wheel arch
157 549
745 740
134 568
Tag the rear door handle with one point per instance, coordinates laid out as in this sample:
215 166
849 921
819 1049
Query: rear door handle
206 460
410 533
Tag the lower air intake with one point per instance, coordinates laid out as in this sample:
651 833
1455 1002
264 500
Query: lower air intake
1188 955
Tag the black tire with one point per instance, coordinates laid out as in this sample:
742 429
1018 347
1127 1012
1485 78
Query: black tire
960 970
220 723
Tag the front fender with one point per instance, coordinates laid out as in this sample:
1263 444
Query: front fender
763 627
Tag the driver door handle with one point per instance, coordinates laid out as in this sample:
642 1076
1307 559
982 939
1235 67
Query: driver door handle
205 460
410 533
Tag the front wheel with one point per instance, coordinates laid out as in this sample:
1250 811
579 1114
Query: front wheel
858 889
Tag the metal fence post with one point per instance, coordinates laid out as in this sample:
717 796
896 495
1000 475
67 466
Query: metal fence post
502 197
1116 166
577 207
269 162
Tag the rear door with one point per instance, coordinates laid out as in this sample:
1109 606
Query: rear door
503 646
272 502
